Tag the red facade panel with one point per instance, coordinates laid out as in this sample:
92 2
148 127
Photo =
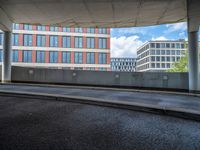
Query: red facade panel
96 58
96 31
96 43
72 41
59 41
84 57
108 43
47 41
34 27
47 28
71 29
34 39
21 26
60 29
47 57
20 39
19 55
59 57
84 42
72 57
108 58
108 30
33 56
84 30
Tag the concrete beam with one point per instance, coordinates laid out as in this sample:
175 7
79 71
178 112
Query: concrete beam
193 14
5 21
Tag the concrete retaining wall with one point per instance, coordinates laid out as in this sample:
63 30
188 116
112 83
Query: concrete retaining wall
124 79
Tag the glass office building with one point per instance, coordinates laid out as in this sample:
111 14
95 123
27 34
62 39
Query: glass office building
123 64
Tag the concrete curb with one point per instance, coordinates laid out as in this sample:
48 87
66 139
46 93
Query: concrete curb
176 112
105 88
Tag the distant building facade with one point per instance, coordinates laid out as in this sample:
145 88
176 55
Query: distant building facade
60 47
159 56
123 64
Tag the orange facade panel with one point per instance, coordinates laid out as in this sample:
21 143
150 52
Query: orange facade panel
59 57
34 39
33 56
72 57
20 55
84 57
46 57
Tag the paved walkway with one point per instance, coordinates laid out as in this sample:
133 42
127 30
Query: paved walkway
181 102
40 124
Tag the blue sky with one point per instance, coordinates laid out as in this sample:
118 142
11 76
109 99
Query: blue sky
125 41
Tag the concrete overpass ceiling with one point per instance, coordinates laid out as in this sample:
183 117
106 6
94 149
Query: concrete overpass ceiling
95 13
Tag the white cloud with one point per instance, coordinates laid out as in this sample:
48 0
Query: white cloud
161 38
176 27
125 46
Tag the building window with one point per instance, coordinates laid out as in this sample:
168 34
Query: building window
78 30
168 59
53 41
28 40
102 58
27 56
157 45
41 40
157 52
90 42
157 65
66 29
78 59
41 28
162 58
102 30
66 57
157 58
152 58
162 52
162 45
152 45
168 65
15 39
177 45
1 55
163 65
16 26
90 30
53 57
102 43
90 58
15 56
66 42
78 42
178 52
1 38
40 57
55 29
173 52
182 46
167 45
27 27
168 52
153 52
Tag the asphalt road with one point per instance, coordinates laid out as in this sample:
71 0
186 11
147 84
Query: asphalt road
39 124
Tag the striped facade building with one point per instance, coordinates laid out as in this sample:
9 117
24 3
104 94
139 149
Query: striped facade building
60 47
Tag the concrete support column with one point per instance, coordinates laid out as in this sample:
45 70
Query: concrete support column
193 61
7 55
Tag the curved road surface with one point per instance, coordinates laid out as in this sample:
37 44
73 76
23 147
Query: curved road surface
39 124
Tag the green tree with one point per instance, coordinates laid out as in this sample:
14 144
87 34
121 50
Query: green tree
181 66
